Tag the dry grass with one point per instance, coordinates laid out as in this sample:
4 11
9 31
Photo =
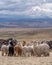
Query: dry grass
26 33
26 60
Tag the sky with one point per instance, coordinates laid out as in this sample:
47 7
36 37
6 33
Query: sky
25 8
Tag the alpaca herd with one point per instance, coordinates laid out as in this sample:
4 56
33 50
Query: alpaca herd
23 49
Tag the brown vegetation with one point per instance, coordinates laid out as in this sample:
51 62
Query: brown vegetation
26 33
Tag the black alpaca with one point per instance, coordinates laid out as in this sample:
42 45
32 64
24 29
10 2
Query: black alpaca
11 49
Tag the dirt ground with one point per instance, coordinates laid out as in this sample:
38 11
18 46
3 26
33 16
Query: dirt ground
5 60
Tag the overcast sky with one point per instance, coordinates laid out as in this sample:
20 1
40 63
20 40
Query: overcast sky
31 8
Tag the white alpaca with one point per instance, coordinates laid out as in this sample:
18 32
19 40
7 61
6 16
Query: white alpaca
27 50
5 49
41 49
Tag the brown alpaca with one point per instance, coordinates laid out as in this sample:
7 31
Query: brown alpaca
17 50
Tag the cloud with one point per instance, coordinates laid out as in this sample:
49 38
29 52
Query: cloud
42 10
34 8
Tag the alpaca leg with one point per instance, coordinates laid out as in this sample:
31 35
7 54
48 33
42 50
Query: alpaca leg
2 53
39 55
32 53
46 54
14 53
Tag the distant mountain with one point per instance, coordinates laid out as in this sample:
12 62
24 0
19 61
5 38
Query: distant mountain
25 23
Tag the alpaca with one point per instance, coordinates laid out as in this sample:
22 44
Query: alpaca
17 50
5 50
27 50
41 49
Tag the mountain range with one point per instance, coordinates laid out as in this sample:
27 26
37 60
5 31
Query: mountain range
26 23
